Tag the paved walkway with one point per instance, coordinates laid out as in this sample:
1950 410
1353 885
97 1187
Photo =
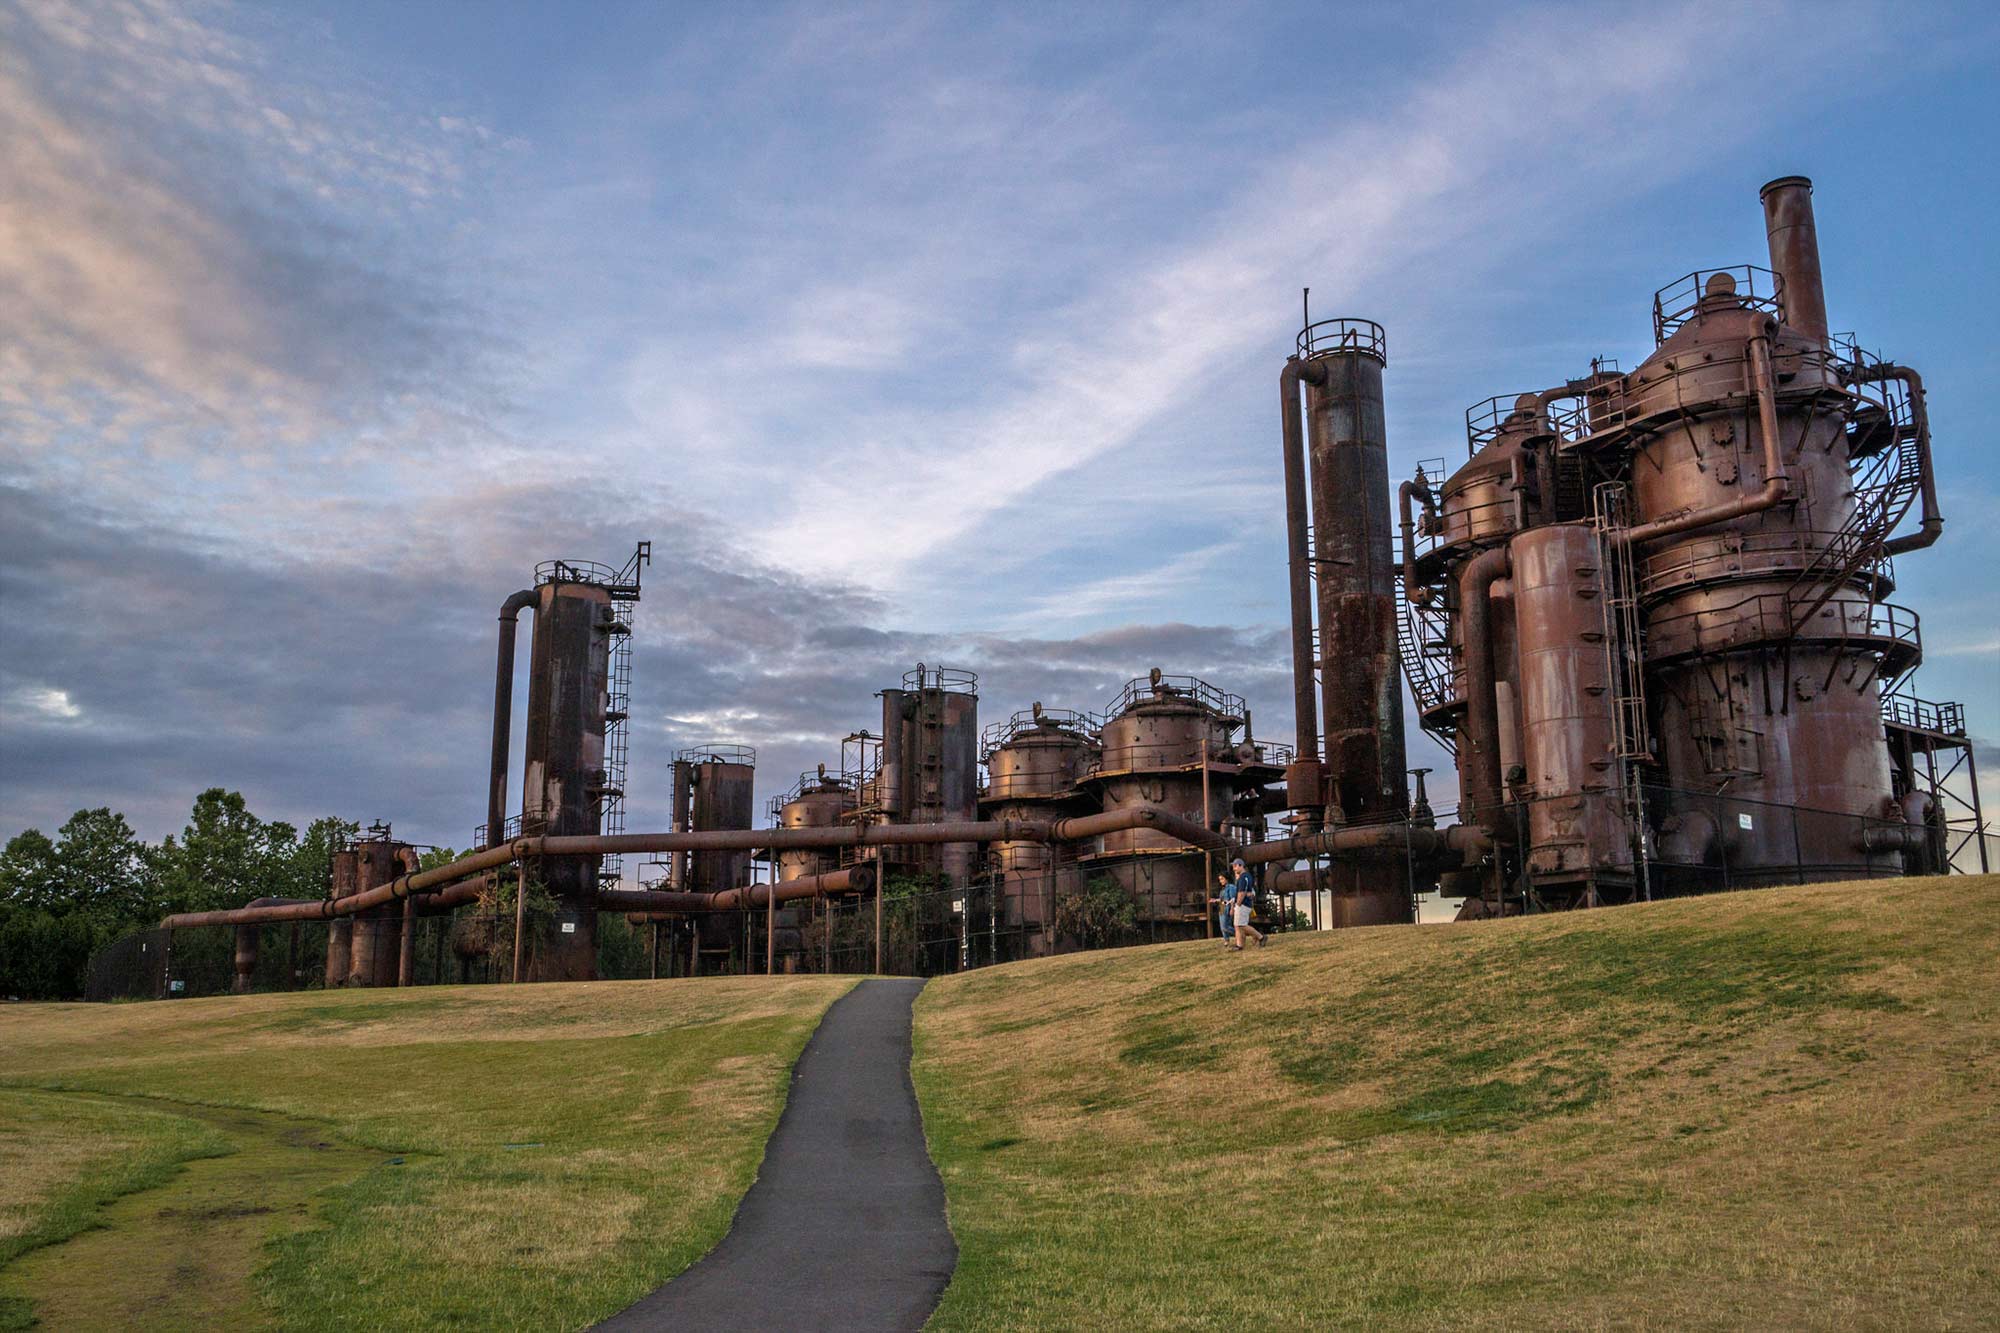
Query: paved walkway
845 1227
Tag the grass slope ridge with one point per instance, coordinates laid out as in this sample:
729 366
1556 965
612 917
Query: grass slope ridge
1770 1108
568 1146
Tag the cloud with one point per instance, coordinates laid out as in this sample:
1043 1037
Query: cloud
1067 382
203 258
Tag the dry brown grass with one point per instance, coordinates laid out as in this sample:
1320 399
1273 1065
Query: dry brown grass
1773 1108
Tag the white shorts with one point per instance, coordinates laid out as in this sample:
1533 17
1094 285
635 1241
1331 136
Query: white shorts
1243 914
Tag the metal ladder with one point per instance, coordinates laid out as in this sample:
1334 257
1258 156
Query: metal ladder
1624 650
617 710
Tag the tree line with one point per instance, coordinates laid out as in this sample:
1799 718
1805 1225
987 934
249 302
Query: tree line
63 898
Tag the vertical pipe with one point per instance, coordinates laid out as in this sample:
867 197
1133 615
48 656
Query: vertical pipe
246 958
1482 716
503 716
406 959
1794 242
879 880
520 913
1302 779
1207 856
771 922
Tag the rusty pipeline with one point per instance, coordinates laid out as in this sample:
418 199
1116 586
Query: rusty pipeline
503 713
1412 589
1303 778
853 879
1371 841
1482 707
457 873
1932 524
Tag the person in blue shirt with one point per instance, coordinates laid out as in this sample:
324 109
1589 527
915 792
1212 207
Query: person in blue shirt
1238 896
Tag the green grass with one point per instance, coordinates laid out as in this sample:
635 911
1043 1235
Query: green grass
1775 1108
563 1148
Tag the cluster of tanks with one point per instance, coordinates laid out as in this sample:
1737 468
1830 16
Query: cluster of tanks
1172 744
1648 615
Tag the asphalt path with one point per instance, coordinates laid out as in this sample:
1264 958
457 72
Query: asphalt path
845 1227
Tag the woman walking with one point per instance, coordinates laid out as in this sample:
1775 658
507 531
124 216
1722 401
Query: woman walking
1238 896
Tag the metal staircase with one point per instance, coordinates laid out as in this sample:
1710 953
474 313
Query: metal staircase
1887 480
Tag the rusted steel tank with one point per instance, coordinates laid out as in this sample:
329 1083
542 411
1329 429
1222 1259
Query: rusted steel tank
818 801
1664 597
1578 828
1036 765
1151 750
564 786
1354 570
1764 644
929 772
715 788
364 949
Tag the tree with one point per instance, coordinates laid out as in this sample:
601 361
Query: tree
106 874
30 872
309 866
226 856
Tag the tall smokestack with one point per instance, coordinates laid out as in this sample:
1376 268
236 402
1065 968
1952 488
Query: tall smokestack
1788 223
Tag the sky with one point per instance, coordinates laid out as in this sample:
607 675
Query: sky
904 333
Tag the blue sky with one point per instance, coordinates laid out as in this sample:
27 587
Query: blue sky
906 332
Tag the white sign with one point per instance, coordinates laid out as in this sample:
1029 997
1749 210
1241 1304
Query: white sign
569 927
176 985
1744 821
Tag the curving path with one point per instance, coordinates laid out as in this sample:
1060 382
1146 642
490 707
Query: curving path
845 1227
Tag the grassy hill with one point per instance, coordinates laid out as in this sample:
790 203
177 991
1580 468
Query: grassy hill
472 1156
1763 1109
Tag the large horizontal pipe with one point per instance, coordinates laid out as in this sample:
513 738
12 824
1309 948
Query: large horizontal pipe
854 879
775 839
1358 841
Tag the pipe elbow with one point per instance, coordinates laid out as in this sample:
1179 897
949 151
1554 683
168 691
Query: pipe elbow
516 603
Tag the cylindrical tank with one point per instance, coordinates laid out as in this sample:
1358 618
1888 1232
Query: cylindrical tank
1152 747
1578 829
1355 571
719 782
818 802
564 787
1753 699
1036 764
366 952
930 767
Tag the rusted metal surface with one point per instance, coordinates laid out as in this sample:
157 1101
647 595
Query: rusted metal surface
1036 764
1577 825
369 950
568 685
503 713
929 769
1662 595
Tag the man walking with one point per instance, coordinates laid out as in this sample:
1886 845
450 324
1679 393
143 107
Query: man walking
1238 896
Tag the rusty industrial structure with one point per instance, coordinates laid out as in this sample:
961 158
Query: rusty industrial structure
1649 615
1650 611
